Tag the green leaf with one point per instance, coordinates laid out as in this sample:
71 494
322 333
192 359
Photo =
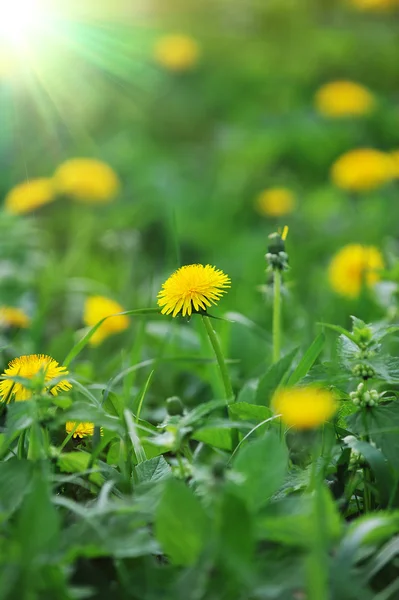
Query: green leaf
308 360
154 469
262 465
236 536
113 404
15 482
78 462
214 436
273 377
249 412
339 329
248 391
181 525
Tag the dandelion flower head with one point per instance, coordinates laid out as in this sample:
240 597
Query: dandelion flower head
304 407
13 317
99 307
362 170
29 195
351 266
276 202
29 367
192 287
87 180
82 429
343 99
176 52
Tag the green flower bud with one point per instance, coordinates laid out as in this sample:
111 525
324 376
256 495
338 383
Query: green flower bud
174 406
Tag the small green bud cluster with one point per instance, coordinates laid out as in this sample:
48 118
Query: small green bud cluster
362 397
363 370
363 336
276 257
365 354
356 460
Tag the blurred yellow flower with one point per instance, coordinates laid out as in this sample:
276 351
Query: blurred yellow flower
177 52
353 265
81 431
29 195
343 99
304 407
98 307
29 367
13 317
395 157
275 202
192 286
87 180
362 170
374 5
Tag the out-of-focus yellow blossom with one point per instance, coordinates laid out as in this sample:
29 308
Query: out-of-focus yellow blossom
304 407
395 157
343 99
374 5
177 52
351 266
29 367
82 430
362 170
276 202
98 307
29 195
192 287
13 317
87 180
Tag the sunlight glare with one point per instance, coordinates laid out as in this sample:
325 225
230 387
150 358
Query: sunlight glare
19 20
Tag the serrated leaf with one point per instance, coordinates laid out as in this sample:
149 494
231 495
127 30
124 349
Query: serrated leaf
154 469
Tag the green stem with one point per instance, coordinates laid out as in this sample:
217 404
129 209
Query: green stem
276 314
220 359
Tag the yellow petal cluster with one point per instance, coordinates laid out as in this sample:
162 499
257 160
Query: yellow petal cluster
374 5
29 367
99 307
176 52
192 287
276 202
13 317
352 266
29 195
343 99
86 180
82 429
362 170
304 407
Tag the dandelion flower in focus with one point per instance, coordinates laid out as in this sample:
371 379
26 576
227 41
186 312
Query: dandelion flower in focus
99 307
177 52
82 430
362 170
13 317
29 195
29 367
374 5
87 180
353 265
192 287
343 99
275 202
304 407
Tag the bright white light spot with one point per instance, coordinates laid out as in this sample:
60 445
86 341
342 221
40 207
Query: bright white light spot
19 20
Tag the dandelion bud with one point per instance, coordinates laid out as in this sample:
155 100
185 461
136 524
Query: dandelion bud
174 406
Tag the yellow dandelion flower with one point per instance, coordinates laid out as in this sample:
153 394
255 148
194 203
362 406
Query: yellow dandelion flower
29 367
395 158
374 5
304 407
98 307
362 170
81 431
29 195
177 52
87 180
344 99
192 286
351 266
276 202
13 317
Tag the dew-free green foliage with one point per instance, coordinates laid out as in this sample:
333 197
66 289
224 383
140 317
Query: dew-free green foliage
186 491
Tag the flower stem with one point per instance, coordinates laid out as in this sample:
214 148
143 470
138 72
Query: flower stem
220 359
276 314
